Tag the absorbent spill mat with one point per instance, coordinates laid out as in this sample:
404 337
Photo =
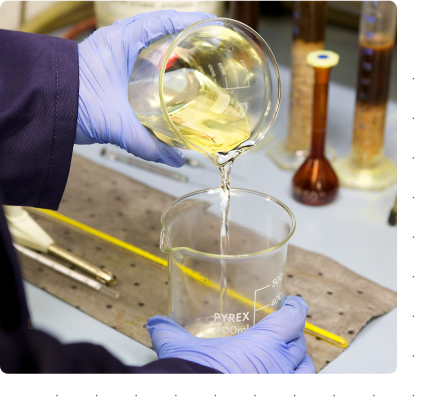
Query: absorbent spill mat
339 300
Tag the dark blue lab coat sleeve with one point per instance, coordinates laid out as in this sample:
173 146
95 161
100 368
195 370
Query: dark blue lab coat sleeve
32 351
38 114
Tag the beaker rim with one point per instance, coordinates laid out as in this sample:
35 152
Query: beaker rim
171 249
170 50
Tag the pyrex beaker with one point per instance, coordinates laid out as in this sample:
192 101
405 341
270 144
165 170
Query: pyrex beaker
259 228
213 87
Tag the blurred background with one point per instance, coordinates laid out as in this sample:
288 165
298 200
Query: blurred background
415 22
274 24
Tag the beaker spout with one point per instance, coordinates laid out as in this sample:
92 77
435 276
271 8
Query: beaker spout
164 245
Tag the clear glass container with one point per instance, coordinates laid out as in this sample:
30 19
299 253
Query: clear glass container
214 87
309 22
259 228
247 12
367 167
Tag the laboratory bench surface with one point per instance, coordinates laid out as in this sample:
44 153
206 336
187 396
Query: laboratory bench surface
353 230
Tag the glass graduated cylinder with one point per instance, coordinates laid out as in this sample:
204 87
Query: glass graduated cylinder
367 167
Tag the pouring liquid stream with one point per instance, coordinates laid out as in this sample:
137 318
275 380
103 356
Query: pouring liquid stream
215 123
225 200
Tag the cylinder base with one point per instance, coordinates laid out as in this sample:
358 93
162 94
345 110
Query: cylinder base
377 178
288 160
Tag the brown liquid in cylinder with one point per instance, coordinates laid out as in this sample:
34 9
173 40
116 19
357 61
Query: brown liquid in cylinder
372 95
309 19
245 11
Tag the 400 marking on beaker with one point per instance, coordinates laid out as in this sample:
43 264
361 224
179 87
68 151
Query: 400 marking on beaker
273 300
240 318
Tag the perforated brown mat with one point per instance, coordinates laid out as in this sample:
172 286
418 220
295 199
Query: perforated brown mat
339 300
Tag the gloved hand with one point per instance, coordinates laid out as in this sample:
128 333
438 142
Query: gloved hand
274 345
106 59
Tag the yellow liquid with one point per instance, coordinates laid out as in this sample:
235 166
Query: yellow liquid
210 119
207 116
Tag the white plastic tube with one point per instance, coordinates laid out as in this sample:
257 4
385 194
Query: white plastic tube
25 230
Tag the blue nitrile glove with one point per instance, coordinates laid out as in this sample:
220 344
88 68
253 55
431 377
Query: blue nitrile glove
274 345
106 59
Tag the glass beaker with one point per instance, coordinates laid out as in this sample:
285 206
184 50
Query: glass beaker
214 87
367 167
259 228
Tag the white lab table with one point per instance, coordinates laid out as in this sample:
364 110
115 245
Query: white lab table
353 230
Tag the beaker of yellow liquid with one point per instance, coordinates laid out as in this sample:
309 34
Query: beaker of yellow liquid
214 87
254 272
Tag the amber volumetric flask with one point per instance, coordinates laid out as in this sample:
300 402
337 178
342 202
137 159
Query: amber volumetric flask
315 183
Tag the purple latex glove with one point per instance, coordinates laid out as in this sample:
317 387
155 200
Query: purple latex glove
106 59
274 345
